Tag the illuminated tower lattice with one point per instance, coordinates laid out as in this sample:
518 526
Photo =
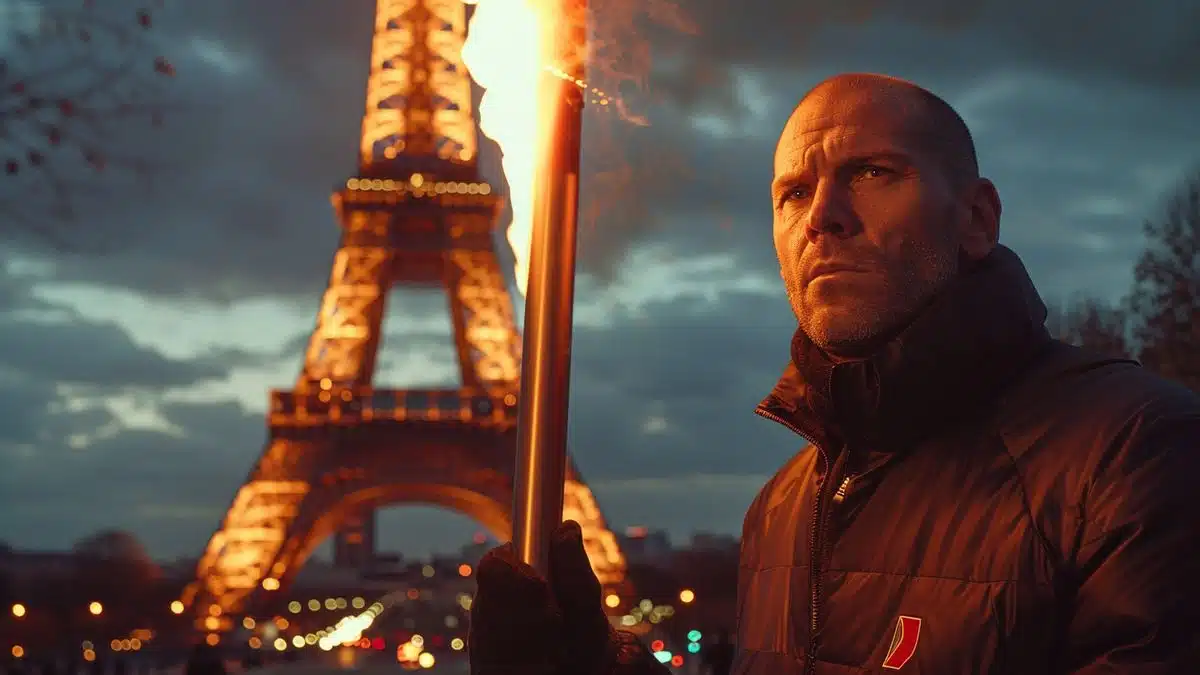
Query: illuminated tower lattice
338 448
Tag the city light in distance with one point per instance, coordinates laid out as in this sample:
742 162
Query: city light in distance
95 608
18 610
686 596
176 607
127 645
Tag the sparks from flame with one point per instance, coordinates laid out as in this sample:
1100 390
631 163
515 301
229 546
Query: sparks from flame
504 53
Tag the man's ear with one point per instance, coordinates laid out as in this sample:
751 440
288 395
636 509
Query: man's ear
982 227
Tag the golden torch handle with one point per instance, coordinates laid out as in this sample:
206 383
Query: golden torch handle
549 300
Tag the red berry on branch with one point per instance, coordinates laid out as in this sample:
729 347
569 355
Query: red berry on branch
143 18
11 167
163 67
54 135
66 107
17 87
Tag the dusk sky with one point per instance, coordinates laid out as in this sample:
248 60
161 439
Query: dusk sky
134 376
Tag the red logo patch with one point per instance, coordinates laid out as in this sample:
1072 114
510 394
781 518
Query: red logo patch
904 642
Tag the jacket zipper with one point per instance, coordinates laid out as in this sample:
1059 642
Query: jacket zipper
814 572
814 541
842 489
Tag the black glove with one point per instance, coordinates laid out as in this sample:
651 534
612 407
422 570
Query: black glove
522 625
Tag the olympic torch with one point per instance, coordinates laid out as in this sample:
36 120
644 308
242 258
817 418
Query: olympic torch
550 294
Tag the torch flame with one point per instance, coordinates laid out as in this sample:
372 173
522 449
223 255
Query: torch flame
504 53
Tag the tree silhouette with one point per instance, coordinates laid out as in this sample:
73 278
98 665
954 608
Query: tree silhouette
1094 325
1166 293
80 84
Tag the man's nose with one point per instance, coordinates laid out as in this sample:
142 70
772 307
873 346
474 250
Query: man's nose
830 213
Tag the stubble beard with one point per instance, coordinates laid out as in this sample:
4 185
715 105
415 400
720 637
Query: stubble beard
859 330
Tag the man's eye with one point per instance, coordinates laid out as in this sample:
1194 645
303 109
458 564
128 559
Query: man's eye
796 193
871 171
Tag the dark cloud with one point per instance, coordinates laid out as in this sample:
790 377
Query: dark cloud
29 413
72 464
100 355
167 487
1147 44
678 397
53 344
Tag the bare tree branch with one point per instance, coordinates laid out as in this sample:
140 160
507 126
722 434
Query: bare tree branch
81 84
1166 294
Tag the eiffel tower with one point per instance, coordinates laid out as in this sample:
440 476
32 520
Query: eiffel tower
417 215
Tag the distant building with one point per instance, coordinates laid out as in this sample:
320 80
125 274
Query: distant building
320 575
183 569
26 567
643 546
707 541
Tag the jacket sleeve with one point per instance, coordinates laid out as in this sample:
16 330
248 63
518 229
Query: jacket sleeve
1137 560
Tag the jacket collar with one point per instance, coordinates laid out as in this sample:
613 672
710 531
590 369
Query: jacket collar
958 353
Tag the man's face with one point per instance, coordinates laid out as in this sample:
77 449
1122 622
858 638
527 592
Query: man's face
865 222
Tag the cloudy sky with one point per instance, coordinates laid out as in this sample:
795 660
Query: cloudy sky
134 371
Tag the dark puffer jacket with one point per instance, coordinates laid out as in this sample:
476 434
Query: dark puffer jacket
976 498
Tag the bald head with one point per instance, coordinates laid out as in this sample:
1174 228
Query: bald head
928 118
877 199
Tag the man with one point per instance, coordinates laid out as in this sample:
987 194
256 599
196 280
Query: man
975 496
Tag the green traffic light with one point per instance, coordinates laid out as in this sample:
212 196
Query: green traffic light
694 647
693 636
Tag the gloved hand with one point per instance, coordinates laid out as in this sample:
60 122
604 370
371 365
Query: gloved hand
522 624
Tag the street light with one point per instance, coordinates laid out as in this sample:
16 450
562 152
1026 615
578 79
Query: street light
18 610
96 608
176 607
686 596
